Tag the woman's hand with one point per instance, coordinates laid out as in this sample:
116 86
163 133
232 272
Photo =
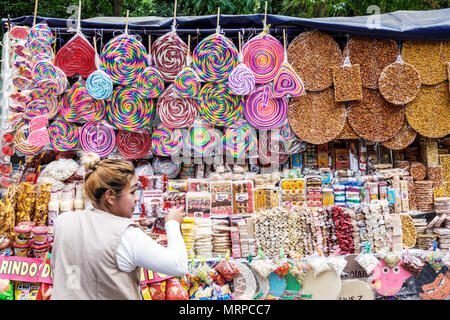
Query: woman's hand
176 214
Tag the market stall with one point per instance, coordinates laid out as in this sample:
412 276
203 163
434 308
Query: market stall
311 155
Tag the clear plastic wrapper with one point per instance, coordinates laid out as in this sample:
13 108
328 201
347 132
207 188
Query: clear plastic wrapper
318 264
221 195
198 204
243 197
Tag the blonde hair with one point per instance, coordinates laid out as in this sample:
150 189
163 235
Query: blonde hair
103 175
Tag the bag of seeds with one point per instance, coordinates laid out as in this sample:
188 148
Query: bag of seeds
347 81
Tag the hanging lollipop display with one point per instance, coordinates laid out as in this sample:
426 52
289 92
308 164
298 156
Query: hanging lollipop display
287 81
150 83
264 112
128 110
21 134
241 80
98 138
124 58
218 106
133 144
239 139
174 111
215 57
99 85
77 105
201 139
187 83
63 135
169 53
166 142
77 57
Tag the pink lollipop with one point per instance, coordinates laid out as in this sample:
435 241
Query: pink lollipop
264 112
264 56
287 82
174 111
38 138
241 80
97 138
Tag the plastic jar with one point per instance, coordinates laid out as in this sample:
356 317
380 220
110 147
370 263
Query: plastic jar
21 250
40 234
23 233
40 250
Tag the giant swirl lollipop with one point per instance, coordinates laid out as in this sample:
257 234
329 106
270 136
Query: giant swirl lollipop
201 139
123 58
174 111
218 106
264 112
214 58
239 139
133 144
263 55
187 83
63 135
166 141
128 110
97 138
241 80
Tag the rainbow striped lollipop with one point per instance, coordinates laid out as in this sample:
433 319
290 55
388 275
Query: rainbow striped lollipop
77 105
264 112
201 138
37 108
44 70
97 138
99 85
48 86
63 135
264 56
187 83
166 141
20 140
40 46
150 83
42 31
239 139
214 58
218 106
123 58
128 110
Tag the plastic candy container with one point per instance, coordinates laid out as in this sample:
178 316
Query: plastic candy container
40 250
21 250
40 235
23 234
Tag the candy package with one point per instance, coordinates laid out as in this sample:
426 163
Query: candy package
45 292
367 261
157 290
337 263
221 193
202 292
263 267
228 269
413 264
175 290
198 204
243 197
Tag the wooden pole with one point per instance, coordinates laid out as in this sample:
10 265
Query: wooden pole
35 11
265 15
126 22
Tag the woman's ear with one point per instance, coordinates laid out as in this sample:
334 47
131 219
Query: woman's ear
109 197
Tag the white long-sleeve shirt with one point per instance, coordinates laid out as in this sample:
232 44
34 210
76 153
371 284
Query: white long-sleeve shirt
136 249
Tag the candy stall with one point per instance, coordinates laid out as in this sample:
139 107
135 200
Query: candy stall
313 161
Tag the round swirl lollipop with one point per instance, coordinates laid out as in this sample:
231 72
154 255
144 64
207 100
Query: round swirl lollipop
264 112
174 111
40 46
40 57
63 135
128 110
22 83
241 80
123 58
78 105
264 56
187 83
44 70
61 80
239 139
166 142
40 30
133 144
218 106
150 83
48 86
201 139
214 58
169 55
20 140
37 108
97 138
99 85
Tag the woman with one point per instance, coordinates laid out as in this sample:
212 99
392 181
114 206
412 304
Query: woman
97 253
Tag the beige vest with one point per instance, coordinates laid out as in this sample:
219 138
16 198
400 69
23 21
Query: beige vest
84 264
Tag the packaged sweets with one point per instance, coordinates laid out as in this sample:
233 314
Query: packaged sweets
40 250
198 185
21 250
243 197
293 192
198 204
40 234
23 233
221 195
266 198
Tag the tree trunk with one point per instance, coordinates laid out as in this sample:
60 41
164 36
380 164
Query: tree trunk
117 7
